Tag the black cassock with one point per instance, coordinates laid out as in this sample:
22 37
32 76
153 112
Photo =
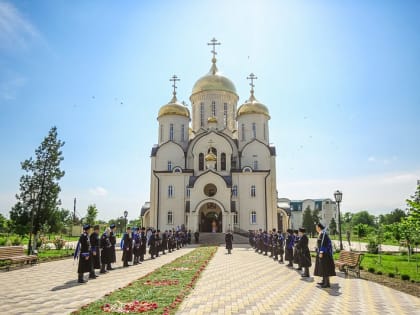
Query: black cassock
324 267
127 248
84 257
113 241
229 240
106 254
94 243
289 247
305 255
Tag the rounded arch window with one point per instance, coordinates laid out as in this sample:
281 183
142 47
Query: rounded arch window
210 190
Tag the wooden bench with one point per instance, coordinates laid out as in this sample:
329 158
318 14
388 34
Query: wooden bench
349 261
16 255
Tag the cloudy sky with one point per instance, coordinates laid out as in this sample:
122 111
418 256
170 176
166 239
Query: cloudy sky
341 81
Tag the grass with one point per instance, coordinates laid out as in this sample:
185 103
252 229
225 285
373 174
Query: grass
395 264
49 254
185 270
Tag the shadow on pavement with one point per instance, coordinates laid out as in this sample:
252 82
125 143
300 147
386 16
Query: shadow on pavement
67 285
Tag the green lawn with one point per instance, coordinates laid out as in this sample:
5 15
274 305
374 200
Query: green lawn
396 263
54 253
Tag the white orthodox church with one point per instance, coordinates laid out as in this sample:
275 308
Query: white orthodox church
213 168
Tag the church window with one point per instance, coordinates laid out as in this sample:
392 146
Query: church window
255 165
171 132
253 191
234 190
169 165
223 161
170 218
235 218
225 114
201 162
188 192
161 133
243 132
213 109
202 115
265 133
253 217
182 133
254 130
170 191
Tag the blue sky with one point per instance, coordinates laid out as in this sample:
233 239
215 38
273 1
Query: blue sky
341 81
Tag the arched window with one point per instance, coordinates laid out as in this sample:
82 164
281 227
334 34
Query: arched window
213 109
188 192
253 191
170 191
170 218
161 133
234 190
225 114
255 165
223 161
169 165
202 115
201 162
265 133
254 130
253 217
171 132
182 133
243 132
235 218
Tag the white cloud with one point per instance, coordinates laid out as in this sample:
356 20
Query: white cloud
98 191
371 159
16 32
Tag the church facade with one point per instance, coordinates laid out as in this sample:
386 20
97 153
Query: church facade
213 169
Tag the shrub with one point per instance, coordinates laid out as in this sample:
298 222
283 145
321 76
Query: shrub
3 241
391 275
372 246
371 270
379 272
59 243
405 277
16 241
361 268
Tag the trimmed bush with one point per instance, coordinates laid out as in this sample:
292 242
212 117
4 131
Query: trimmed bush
371 270
391 275
16 241
405 277
379 272
361 268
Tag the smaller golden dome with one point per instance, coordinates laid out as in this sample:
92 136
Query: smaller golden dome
211 157
212 120
252 106
174 108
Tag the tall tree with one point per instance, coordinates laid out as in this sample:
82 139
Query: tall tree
307 220
333 226
39 186
363 217
92 213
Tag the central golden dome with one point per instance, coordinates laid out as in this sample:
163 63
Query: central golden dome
214 81
174 108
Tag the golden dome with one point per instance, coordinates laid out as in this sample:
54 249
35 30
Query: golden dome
214 81
252 106
211 157
174 108
212 120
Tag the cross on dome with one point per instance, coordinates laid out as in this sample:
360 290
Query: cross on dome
214 42
174 79
252 77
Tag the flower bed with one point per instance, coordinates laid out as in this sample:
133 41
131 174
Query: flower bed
159 292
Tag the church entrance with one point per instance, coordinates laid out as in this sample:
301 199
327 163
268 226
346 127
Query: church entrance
210 218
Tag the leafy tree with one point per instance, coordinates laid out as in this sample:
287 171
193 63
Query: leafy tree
361 230
307 221
395 216
39 187
333 227
414 206
92 213
347 217
363 217
316 217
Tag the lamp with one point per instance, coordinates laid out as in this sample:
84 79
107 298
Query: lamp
338 196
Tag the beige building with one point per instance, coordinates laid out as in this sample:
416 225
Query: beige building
213 168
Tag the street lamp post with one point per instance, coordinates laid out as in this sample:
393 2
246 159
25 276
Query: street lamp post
33 199
125 219
338 195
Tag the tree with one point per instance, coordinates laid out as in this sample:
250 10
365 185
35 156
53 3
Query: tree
363 217
390 218
333 226
307 221
414 206
39 187
347 217
92 213
3 223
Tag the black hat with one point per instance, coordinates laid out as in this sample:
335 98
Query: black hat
320 226
96 227
86 227
112 226
289 231
158 231
302 230
128 228
143 228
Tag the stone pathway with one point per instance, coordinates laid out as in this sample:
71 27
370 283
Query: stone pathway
51 288
249 283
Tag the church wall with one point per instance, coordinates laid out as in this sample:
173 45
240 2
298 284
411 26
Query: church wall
261 123
177 121
256 151
169 152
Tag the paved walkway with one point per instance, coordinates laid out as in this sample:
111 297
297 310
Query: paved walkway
249 283
51 288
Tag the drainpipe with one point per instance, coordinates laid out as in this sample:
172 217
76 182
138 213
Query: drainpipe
157 202
265 201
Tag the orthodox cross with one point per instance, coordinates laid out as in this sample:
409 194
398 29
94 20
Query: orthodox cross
214 43
174 79
252 77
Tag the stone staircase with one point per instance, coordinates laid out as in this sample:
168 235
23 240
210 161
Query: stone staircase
219 238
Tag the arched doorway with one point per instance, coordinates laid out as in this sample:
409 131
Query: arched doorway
210 218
